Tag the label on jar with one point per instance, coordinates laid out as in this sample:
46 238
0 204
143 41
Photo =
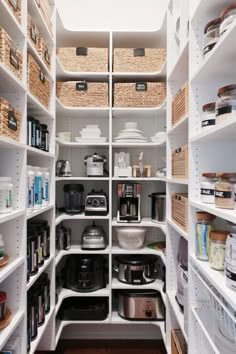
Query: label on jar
205 191
5 199
230 260
208 122
225 110
217 255
209 47
223 195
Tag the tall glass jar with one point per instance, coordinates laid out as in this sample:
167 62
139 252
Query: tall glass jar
217 249
226 104
204 226
208 188
211 36
227 18
225 190
208 116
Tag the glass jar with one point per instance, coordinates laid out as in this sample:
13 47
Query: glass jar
208 188
225 190
230 258
6 195
211 36
226 104
208 117
227 18
217 249
204 226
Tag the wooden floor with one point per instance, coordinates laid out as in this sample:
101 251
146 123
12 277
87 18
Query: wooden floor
109 347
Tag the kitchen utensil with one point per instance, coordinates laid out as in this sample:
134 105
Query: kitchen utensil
73 196
136 269
131 238
95 165
158 207
96 203
93 238
141 305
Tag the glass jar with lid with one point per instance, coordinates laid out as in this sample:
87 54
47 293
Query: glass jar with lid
217 249
225 190
208 117
230 257
211 35
208 188
226 104
204 226
227 18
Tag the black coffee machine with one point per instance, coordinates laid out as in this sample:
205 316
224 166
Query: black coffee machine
129 197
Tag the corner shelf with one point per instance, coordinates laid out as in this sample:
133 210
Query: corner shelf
178 229
31 151
38 212
76 249
13 264
82 216
178 314
145 250
11 216
181 127
226 214
145 222
42 269
5 334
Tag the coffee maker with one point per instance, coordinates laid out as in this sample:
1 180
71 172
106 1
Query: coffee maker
129 198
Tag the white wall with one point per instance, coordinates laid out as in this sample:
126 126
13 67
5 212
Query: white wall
112 14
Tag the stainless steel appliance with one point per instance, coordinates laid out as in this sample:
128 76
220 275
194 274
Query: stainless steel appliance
95 165
158 207
136 269
93 238
129 196
63 168
96 203
73 196
141 305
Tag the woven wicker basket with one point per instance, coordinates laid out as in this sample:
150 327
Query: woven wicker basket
44 53
33 33
38 83
10 120
45 9
180 104
10 56
15 7
141 94
138 59
179 209
180 162
83 94
83 59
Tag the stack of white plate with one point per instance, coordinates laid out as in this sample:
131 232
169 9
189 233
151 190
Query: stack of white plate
131 134
91 134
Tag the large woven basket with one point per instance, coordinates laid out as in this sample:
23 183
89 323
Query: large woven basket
15 7
138 59
38 83
180 162
44 53
180 104
33 33
45 9
141 94
10 55
179 209
83 59
83 94
10 120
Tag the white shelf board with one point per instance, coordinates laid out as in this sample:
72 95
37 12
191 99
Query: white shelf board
10 143
8 20
31 151
223 52
137 145
178 314
221 132
10 267
40 23
65 293
141 75
58 179
76 249
145 222
9 82
41 330
83 112
62 217
11 216
116 319
35 108
177 180
78 145
5 333
178 229
181 127
33 278
31 49
180 68
141 179
39 211
124 112
63 74
217 279
117 250
226 214
207 7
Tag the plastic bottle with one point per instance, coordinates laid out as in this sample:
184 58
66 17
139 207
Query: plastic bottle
30 189
1 248
37 187
45 186
6 195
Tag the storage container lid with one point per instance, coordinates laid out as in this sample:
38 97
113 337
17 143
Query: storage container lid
227 10
73 188
209 175
226 175
209 107
140 293
136 259
219 235
3 296
225 89
203 216
215 22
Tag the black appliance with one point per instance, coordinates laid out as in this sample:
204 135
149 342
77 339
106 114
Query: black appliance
73 196
84 309
84 273
96 203
129 197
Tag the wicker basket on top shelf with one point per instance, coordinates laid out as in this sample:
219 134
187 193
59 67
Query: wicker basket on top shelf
10 120
15 7
38 84
179 163
10 55
138 59
139 94
179 210
83 94
180 105
83 59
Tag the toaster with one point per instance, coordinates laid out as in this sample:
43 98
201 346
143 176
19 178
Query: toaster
96 203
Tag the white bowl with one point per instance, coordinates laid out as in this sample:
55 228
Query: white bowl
131 238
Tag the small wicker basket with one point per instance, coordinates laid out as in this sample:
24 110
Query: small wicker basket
10 55
139 94
15 6
44 53
38 84
33 33
83 59
179 209
180 104
83 94
180 162
10 120
138 59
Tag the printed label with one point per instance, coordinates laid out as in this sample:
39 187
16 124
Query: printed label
178 150
225 110
206 123
82 51
12 122
207 191
46 56
42 77
178 197
81 86
230 275
33 35
141 86
14 59
139 52
208 48
38 190
221 194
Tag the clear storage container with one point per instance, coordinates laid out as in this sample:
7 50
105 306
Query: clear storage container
227 18
208 188
204 226
209 116
226 104
225 190
211 36
217 249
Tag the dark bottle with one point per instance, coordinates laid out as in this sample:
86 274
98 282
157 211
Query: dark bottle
45 138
